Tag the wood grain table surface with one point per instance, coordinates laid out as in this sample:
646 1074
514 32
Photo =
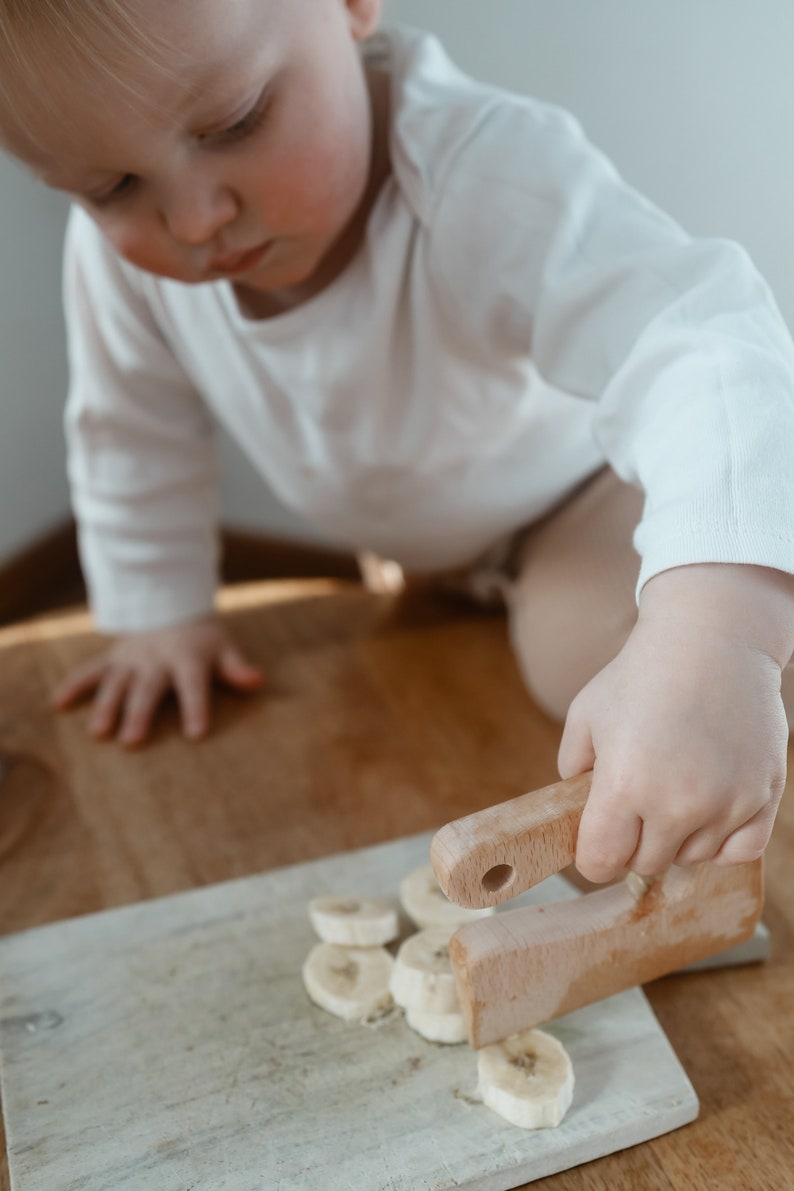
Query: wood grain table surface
382 717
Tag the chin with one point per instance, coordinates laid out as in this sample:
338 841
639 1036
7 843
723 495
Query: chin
286 277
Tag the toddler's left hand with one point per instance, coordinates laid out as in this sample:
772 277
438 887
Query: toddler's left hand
687 736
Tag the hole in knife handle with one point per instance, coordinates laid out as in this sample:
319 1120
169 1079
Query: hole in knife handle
497 878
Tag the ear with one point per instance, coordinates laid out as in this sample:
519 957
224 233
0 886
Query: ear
363 17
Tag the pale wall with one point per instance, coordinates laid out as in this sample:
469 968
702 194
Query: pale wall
693 99
33 494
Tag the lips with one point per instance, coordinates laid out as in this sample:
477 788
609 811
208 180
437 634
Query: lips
239 262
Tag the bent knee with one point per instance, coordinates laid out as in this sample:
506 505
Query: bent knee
559 649
552 685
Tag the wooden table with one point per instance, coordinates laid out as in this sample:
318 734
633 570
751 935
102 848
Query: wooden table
382 717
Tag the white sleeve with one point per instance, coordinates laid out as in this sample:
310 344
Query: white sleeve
141 453
679 341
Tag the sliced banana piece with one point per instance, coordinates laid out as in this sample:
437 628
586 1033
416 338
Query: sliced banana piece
437 1027
422 978
354 921
350 982
425 902
527 1079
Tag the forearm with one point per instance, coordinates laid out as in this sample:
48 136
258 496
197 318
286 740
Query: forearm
142 580
754 605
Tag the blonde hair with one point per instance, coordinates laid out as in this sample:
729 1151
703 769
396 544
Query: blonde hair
102 35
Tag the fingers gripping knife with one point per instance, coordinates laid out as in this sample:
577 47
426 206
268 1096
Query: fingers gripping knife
523 967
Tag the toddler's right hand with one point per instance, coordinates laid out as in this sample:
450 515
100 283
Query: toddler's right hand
132 677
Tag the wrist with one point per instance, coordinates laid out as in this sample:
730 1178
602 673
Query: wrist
753 605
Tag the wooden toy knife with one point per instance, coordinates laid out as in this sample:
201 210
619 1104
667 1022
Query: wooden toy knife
520 968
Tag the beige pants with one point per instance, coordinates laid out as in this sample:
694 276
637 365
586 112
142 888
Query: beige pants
569 586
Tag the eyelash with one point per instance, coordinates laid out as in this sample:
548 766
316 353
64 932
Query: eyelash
237 132
245 127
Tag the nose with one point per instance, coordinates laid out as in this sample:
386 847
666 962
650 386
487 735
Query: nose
197 208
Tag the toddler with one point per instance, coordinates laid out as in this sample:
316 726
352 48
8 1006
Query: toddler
447 333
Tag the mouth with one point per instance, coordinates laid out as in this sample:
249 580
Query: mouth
239 262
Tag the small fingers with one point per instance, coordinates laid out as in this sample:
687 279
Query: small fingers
144 695
619 829
749 841
109 700
725 840
576 753
671 840
608 838
192 685
236 671
701 845
733 839
82 681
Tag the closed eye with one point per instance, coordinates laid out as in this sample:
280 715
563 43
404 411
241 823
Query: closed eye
119 190
233 134
243 128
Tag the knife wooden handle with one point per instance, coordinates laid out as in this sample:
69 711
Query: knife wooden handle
493 855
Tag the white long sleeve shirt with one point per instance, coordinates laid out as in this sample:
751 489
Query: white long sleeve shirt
515 317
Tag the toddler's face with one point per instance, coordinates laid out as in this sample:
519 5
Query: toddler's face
246 160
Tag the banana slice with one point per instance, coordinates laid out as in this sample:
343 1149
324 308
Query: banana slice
422 978
354 921
352 983
437 1027
426 903
527 1079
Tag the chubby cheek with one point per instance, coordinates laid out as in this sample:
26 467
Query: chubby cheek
146 248
317 183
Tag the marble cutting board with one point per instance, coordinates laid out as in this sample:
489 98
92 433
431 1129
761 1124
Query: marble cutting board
169 1046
